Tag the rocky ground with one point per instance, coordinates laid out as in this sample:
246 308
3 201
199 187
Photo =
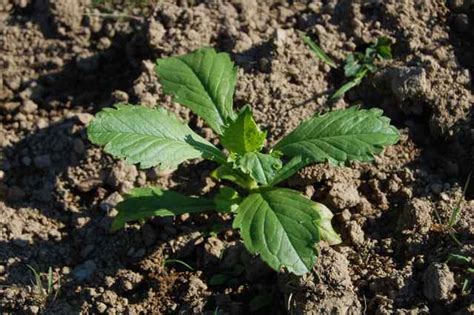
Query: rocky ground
63 60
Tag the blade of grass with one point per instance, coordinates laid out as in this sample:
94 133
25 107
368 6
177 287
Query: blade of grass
170 261
457 210
318 52
50 280
38 285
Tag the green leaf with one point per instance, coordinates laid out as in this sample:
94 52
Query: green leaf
352 65
344 135
227 200
142 203
288 169
243 135
318 52
204 81
261 167
149 137
382 46
229 173
283 227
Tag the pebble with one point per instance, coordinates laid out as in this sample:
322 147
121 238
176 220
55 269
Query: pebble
28 107
438 281
34 309
84 118
356 233
101 307
85 271
110 202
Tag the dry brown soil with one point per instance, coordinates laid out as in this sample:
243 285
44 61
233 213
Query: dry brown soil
63 60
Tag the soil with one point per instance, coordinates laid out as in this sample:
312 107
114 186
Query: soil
62 61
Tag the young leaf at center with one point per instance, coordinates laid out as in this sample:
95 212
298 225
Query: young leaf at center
260 166
243 134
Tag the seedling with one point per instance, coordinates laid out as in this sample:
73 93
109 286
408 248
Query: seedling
466 264
448 227
279 224
48 293
357 65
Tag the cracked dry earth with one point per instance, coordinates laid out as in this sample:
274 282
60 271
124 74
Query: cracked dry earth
63 60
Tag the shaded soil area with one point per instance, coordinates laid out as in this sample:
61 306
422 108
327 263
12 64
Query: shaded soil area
62 61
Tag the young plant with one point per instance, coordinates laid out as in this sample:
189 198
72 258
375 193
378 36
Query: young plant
357 65
279 224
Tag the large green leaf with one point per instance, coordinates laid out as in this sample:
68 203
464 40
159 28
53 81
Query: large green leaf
283 227
344 135
143 203
149 137
204 81
261 167
243 134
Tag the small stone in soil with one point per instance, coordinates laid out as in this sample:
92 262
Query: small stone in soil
438 281
85 271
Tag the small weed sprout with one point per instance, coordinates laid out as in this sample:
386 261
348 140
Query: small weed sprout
279 224
46 294
466 264
448 226
357 65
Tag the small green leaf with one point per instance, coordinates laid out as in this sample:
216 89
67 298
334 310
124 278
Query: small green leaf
148 136
227 200
142 203
318 52
261 167
344 135
352 65
204 81
382 46
283 227
229 173
243 134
